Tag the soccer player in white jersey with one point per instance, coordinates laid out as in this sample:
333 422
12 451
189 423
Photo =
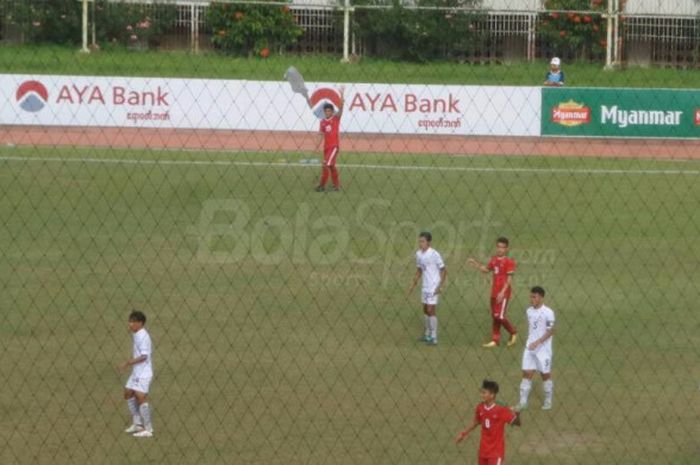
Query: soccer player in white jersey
136 389
431 268
537 356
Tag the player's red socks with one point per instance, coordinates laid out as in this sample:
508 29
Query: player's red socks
335 177
509 327
324 175
496 331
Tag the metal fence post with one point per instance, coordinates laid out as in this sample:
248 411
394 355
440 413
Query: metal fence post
616 40
194 28
609 43
93 29
531 36
85 48
346 31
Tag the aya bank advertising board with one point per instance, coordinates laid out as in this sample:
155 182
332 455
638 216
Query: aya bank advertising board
47 100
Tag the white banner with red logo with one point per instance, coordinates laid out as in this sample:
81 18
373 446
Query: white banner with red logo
266 105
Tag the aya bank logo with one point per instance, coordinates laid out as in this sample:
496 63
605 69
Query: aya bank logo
322 96
32 96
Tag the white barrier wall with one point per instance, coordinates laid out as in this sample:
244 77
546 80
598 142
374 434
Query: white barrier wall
266 105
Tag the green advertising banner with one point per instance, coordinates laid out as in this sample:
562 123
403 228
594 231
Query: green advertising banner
593 112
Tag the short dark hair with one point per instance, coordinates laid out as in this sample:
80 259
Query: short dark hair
502 240
328 106
425 234
490 386
137 316
537 290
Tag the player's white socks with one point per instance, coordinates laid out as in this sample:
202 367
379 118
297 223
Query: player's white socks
134 409
145 410
548 391
525 387
433 326
427 325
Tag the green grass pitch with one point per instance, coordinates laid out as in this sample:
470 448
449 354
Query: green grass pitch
281 330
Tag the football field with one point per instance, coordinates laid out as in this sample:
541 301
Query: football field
281 327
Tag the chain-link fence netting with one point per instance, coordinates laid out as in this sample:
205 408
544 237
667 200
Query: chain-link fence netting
255 181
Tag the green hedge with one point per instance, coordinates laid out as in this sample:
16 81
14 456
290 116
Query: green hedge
133 25
41 21
60 22
420 35
252 30
572 35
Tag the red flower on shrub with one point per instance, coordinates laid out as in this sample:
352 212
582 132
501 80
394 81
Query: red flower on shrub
577 19
562 33
265 52
554 15
603 43
570 15
587 19
238 15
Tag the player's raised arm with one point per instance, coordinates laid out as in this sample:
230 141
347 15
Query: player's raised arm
474 263
341 91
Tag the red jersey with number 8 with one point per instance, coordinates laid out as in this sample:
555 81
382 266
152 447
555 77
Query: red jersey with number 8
330 127
501 268
493 420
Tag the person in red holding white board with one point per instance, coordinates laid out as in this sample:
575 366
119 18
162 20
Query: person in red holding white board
502 267
330 132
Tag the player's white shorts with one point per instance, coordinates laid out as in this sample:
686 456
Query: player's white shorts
537 360
429 298
138 384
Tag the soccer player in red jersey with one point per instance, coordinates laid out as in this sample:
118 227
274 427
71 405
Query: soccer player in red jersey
493 419
330 130
502 267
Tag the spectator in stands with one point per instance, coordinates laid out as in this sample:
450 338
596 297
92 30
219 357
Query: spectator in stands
555 76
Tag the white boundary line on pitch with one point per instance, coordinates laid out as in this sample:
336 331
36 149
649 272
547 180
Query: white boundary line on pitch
467 169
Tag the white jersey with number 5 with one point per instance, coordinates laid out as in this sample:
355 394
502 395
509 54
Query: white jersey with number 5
430 263
540 320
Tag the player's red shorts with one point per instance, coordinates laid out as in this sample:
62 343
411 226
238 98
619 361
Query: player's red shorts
499 309
330 154
490 460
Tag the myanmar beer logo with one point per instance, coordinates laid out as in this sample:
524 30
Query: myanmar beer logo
571 114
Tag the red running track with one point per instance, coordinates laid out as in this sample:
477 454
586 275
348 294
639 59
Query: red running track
251 141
